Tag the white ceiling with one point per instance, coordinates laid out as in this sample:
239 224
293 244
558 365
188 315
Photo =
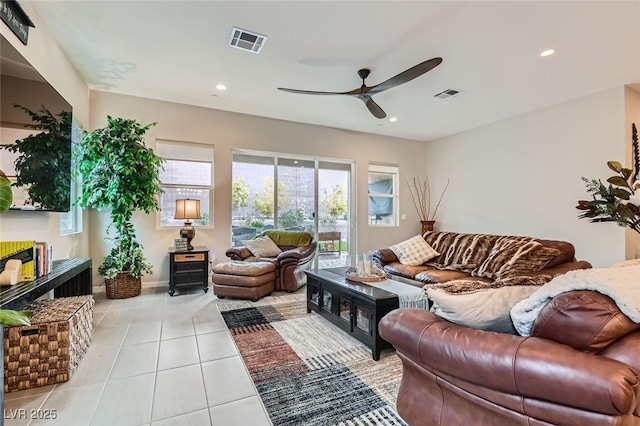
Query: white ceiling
178 51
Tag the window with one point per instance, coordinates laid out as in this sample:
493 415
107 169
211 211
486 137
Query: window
187 173
383 195
71 221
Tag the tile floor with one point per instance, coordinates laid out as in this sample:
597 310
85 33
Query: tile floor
154 360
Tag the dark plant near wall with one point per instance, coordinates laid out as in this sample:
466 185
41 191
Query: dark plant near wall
43 166
619 201
121 173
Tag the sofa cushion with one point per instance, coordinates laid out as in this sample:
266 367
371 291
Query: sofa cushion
414 251
515 256
484 310
586 320
262 246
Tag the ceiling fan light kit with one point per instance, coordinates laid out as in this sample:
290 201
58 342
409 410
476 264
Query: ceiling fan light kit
365 93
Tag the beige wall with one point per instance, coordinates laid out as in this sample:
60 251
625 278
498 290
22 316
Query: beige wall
226 130
632 115
521 176
47 57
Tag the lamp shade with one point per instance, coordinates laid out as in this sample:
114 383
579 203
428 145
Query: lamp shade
187 209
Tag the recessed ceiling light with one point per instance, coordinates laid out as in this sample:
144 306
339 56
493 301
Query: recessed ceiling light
547 52
221 86
393 119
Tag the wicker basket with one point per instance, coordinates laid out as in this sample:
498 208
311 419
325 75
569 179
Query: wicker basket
50 349
123 286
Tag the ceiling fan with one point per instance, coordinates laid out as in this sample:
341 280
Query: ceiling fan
365 93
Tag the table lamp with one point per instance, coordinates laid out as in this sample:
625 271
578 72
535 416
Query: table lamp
187 209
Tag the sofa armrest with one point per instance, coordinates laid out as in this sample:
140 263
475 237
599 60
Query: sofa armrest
525 366
384 257
298 254
238 253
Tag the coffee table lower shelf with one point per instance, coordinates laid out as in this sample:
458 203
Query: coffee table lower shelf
353 307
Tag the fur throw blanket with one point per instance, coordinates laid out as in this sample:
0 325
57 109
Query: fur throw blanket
620 284
472 285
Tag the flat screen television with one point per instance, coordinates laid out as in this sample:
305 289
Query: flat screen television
35 136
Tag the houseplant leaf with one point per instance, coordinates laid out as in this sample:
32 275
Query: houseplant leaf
11 318
6 197
620 193
617 180
615 166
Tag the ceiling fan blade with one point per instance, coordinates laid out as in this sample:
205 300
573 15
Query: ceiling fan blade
312 92
406 76
374 108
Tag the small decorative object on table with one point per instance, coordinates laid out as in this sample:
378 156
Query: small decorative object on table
180 244
375 275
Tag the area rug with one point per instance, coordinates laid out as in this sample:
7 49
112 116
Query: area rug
309 372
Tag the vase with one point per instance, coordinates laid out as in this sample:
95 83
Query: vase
427 225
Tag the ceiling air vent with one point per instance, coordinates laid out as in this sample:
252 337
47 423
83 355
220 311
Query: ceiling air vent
246 40
449 93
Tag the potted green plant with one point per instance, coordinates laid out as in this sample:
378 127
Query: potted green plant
43 166
121 173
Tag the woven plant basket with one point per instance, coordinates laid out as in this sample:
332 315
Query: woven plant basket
123 286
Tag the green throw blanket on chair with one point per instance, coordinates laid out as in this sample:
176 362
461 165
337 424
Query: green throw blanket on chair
288 238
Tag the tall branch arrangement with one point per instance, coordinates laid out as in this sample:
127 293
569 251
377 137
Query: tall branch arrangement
619 201
420 191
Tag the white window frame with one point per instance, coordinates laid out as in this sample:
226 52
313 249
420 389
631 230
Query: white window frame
71 221
394 171
174 148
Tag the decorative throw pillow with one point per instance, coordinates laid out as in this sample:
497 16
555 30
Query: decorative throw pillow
414 251
263 247
509 258
482 310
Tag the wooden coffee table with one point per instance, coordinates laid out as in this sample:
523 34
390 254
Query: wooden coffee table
353 307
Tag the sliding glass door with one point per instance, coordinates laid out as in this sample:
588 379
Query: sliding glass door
290 192
334 214
296 189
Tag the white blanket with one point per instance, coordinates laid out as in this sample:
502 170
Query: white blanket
620 284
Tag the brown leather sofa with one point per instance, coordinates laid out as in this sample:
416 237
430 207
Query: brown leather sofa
580 367
461 255
290 264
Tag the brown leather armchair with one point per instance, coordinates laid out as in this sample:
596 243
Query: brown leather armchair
581 367
290 264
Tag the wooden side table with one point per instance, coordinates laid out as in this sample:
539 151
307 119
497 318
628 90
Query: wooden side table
188 268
